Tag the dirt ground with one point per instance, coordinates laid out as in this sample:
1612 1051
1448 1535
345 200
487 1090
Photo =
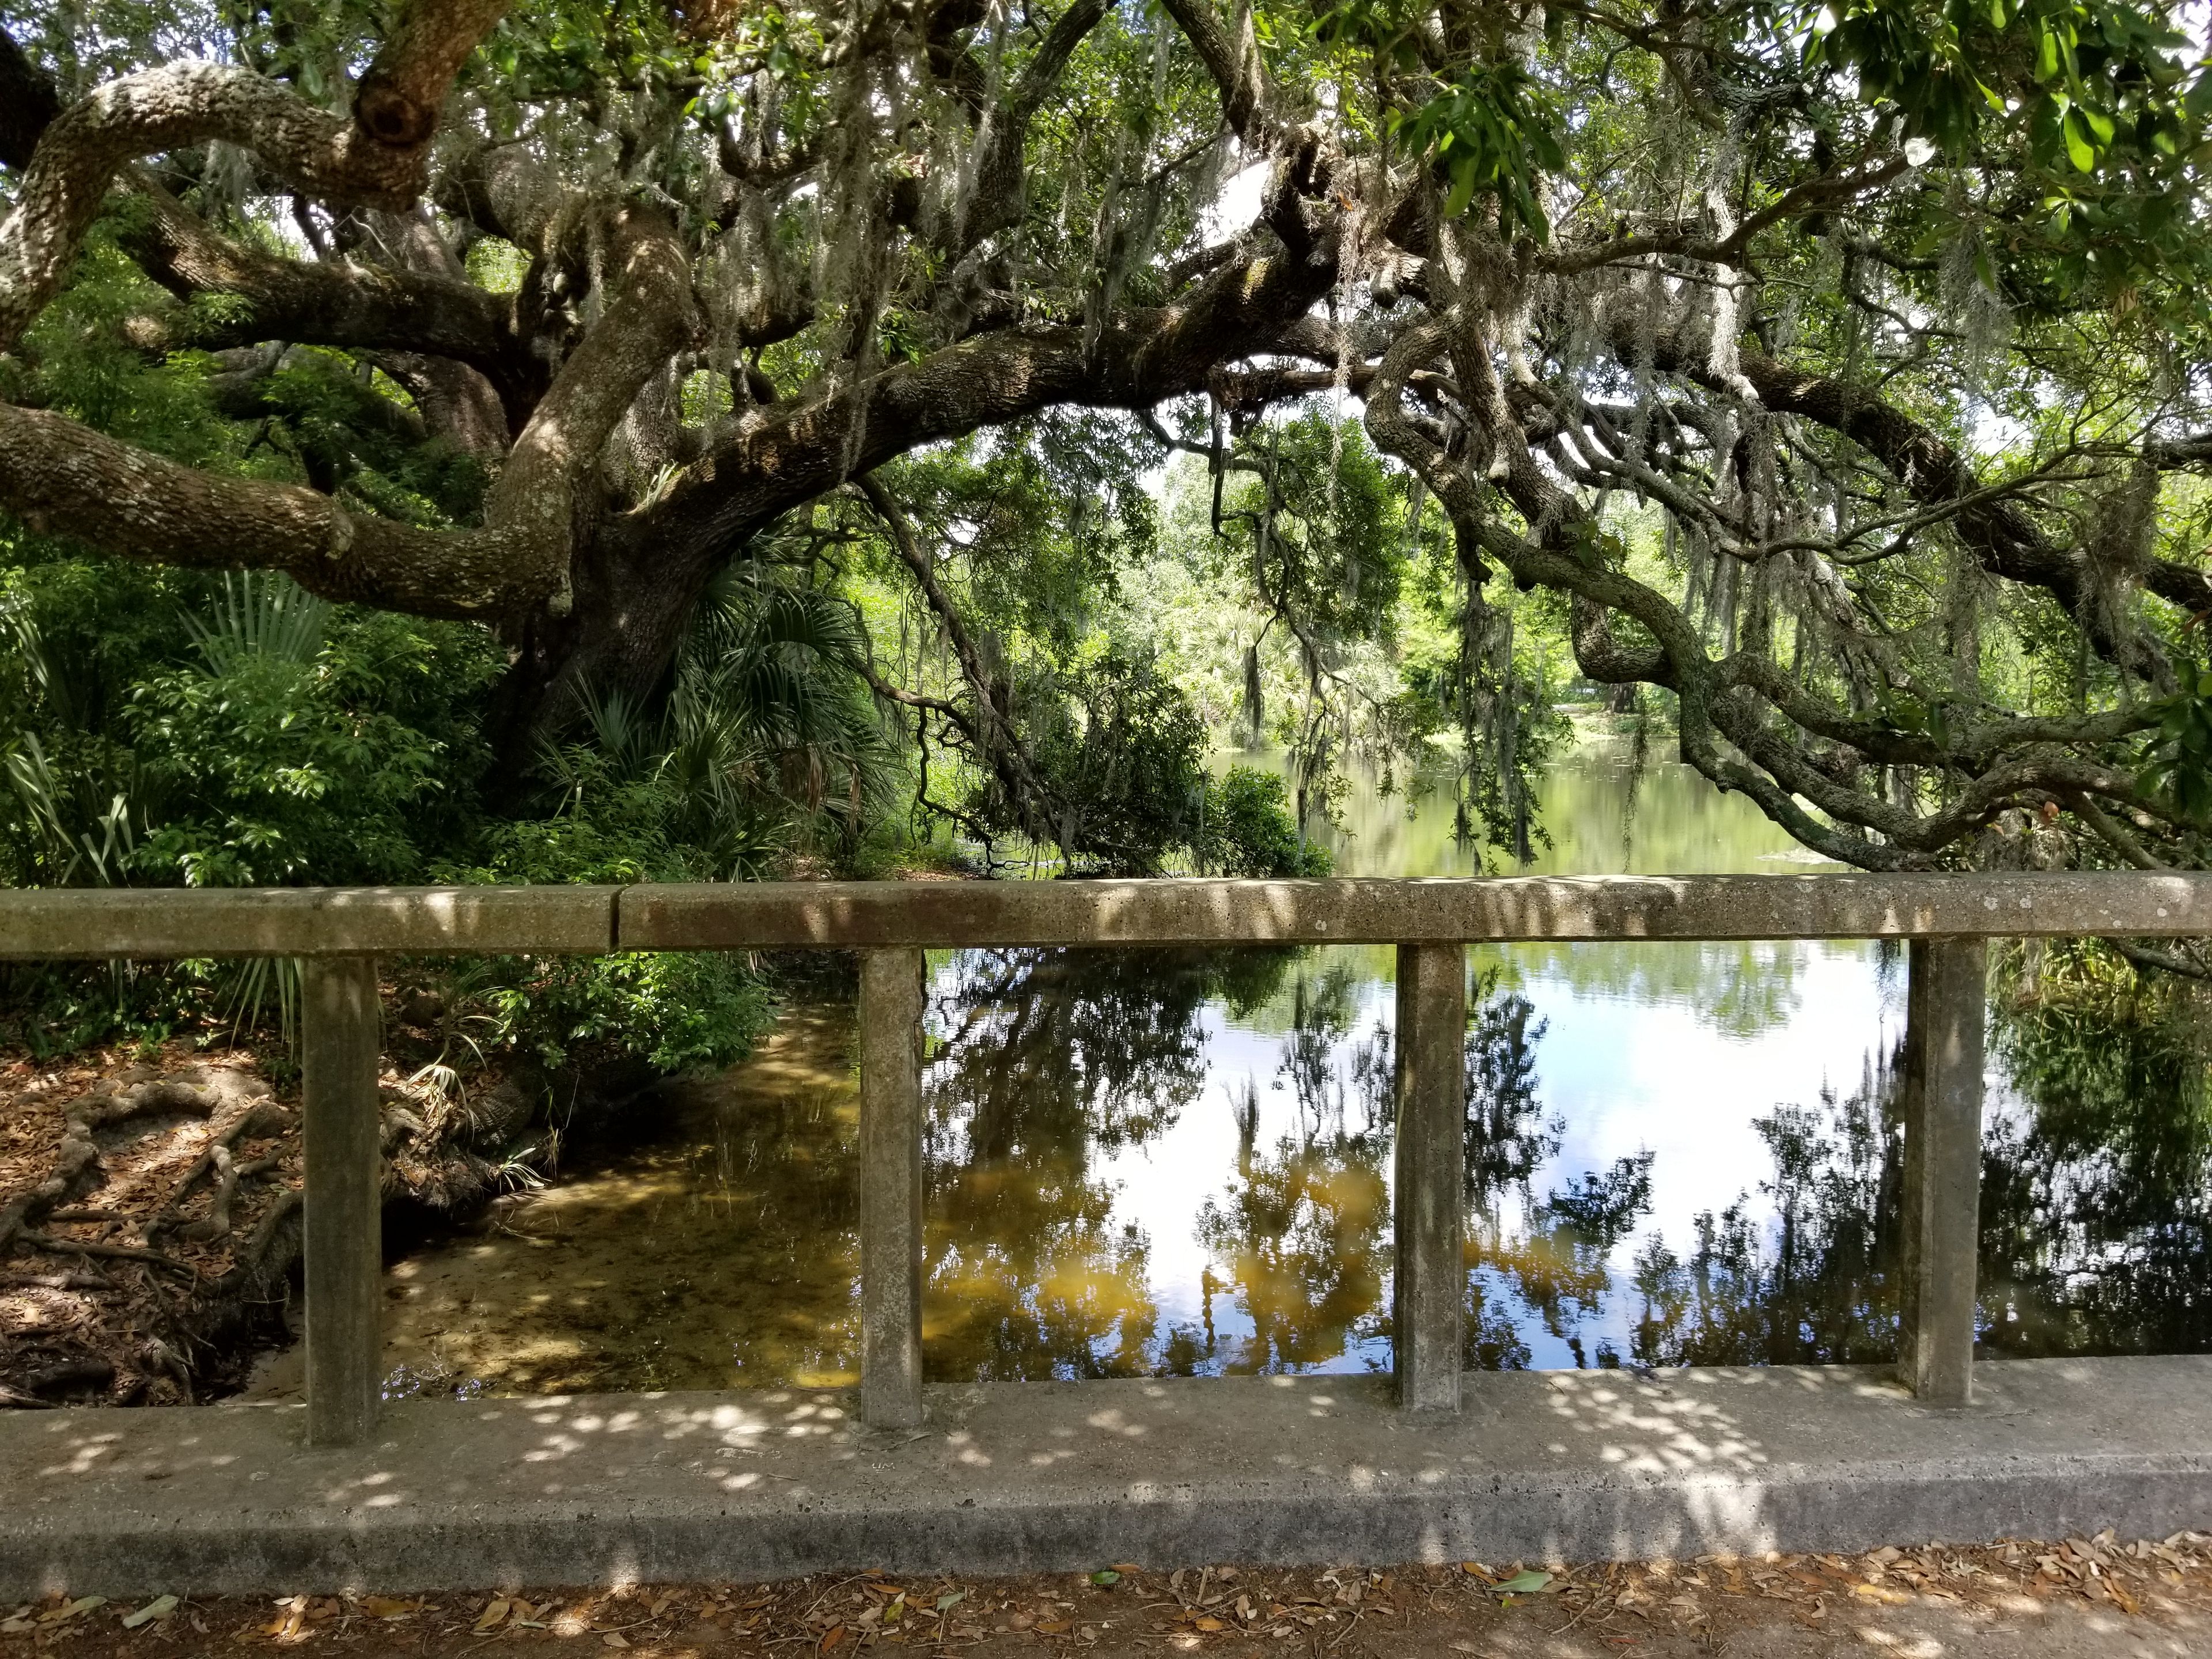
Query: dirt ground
149 1207
2082 1597
148 1215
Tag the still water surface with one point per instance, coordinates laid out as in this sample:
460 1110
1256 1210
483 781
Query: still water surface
1178 1162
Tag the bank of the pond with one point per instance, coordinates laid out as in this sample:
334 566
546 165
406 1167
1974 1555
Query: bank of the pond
151 1194
720 1238
150 1206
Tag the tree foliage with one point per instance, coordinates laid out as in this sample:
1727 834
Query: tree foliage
1827 378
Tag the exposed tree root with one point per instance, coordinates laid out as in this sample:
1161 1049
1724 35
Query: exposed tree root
80 1281
132 1334
106 1252
157 1225
266 1119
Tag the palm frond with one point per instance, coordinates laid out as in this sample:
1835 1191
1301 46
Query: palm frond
260 614
767 723
34 665
85 844
248 988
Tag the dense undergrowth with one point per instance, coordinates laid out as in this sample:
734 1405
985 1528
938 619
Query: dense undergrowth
170 728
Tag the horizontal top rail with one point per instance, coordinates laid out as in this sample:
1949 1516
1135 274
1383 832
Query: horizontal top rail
171 922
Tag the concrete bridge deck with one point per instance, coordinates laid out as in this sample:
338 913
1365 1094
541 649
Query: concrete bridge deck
1013 1477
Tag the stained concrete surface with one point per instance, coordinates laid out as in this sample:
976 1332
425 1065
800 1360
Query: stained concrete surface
1051 1477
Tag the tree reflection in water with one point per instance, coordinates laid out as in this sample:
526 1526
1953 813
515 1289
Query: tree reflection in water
1811 1282
2097 1182
2096 1217
1531 1261
1302 1229
1049 1058
2096 1214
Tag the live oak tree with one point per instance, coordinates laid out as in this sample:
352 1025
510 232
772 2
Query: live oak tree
1841 368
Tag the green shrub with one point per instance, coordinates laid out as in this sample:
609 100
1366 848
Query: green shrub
332 753
160 729
673 1010
1249 831
1121 751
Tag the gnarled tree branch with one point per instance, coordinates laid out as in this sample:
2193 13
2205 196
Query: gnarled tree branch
993 192
2000 532
66 478
377 158
328 303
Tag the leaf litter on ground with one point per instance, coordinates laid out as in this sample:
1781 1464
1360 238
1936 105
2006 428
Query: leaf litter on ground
160 1608
1617 1605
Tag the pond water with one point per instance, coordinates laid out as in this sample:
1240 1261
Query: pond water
1178 1162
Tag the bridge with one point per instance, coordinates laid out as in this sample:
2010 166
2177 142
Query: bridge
1431 1463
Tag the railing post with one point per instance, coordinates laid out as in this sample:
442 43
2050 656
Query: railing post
890 1188
1429 1296
1945 1007
341 1040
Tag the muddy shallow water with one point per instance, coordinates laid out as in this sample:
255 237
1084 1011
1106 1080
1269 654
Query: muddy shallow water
1177 1163
724 1250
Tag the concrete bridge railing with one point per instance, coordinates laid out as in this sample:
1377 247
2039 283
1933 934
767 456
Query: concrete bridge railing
337 933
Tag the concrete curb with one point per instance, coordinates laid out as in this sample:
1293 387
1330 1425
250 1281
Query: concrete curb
1050 1476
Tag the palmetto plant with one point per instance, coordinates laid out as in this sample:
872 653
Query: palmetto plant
777 664
267 616
75 841
260 614
766 733
248 988
84 814
75 825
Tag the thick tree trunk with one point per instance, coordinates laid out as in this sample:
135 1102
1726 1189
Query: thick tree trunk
635 592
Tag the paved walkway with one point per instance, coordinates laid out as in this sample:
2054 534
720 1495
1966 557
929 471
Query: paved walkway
1051 1477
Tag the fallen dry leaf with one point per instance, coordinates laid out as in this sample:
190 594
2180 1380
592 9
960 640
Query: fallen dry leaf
160 1608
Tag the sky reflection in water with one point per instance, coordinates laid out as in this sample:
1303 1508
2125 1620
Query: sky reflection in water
1237 1183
